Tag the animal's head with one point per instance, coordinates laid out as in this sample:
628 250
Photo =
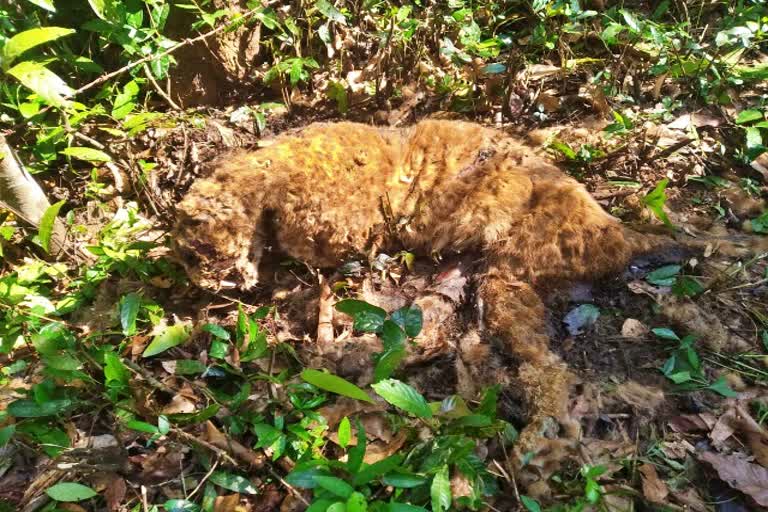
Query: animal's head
213 241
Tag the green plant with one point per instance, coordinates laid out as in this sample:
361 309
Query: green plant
684 366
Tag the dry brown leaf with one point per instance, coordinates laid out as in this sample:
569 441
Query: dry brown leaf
677 449
724 428
180 405
376 451
70 507
691 499
633 328
114 494
654 489
228 503
460 485
739 473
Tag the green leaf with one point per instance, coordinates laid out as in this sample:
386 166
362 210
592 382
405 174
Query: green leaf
31 409
404 507
184 367
233 482
129 310
665 333
70 491
403 479
746 116
87 154
754 138
357 503
356 454
304 477
440 491
114 369
334 384
530 504
721 386
329 11
387 363
44 82
345 432
334 485
105 9
181 506
319 506
45 4
664 276
377 469
656 199
172 336
6 433
687 286
28 39
47 221
217 331
410 318
353 306
369 321
403 396
760 224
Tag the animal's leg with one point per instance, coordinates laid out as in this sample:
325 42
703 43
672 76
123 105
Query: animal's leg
513 312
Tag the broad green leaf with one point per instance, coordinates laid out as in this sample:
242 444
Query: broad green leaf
184 367
345 432
530 504
334 384
70 491
181 506
356 454
45 4
410 318
217 331
320 505
47 221
304 477
368 321
44 82
721 386
142 426
329 11
403 396
440 490
334 485
30 409
129 310
87 154
172 336
746 116
760 224
656 199
28 39
665 333
404 507
403 479
377 469
354 306
339 506
233 482
664 276
219 349
388 362
105 9
114 369
754 138
63 361
357 503
6 433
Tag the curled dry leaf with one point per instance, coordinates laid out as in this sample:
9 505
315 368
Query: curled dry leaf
654 489
228 503
237 450
634 329
739 473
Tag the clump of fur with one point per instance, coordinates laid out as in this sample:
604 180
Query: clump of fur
337 190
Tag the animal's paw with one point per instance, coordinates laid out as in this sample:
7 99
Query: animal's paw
540 451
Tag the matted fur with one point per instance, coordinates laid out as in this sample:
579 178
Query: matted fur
340 190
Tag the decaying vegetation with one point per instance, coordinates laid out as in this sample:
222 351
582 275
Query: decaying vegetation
124 387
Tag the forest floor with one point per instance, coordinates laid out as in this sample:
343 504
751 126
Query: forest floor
209 391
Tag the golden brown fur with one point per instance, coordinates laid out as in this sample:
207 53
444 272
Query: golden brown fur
339 190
